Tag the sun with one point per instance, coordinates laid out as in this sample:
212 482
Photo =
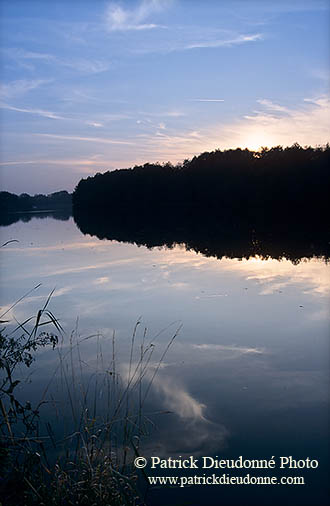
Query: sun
257 140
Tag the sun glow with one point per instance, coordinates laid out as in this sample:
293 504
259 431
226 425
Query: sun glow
257 139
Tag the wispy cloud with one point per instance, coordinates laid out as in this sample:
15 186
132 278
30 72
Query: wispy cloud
187 38
17 162
240 39
169 114
102 280
84 139
308 124
275 276
85 66
206 100
94 124
21 87
81 65
92 161
98 122
273 124
273 107
120 19
38 112
173 114
239 350
197 434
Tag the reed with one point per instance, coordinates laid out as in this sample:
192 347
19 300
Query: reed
77 445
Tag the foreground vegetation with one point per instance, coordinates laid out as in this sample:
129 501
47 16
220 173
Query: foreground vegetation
71 448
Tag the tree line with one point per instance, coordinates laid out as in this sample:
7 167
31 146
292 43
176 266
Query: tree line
10 202
234 203
274 181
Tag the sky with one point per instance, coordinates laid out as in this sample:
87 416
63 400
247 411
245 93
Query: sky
89 86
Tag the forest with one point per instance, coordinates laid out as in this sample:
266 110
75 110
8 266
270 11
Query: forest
10 202
235 203
276 182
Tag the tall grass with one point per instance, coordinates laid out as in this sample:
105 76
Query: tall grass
77 445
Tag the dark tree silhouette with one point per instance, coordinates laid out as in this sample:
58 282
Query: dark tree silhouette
11 203
233 203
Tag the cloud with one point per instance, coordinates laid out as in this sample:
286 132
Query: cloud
58 247
308 124
38 112
120 19
102 280
240 39
238 350
274 276
273 107
22 54
271 123
173 114
80 64
206 100
90 162
18 162
85 66
84 139
186 38
20 87
167 114
177 399
98 122
94 124
85 268
193 429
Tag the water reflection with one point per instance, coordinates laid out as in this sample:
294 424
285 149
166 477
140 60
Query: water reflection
248 372
7 219
189 430
212 235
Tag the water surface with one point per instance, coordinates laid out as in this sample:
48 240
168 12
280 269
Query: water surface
248 372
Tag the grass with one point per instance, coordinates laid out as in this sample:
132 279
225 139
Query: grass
78 444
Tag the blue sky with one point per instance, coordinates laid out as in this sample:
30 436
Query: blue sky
88 86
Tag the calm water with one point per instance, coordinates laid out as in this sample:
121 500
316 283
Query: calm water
248 373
